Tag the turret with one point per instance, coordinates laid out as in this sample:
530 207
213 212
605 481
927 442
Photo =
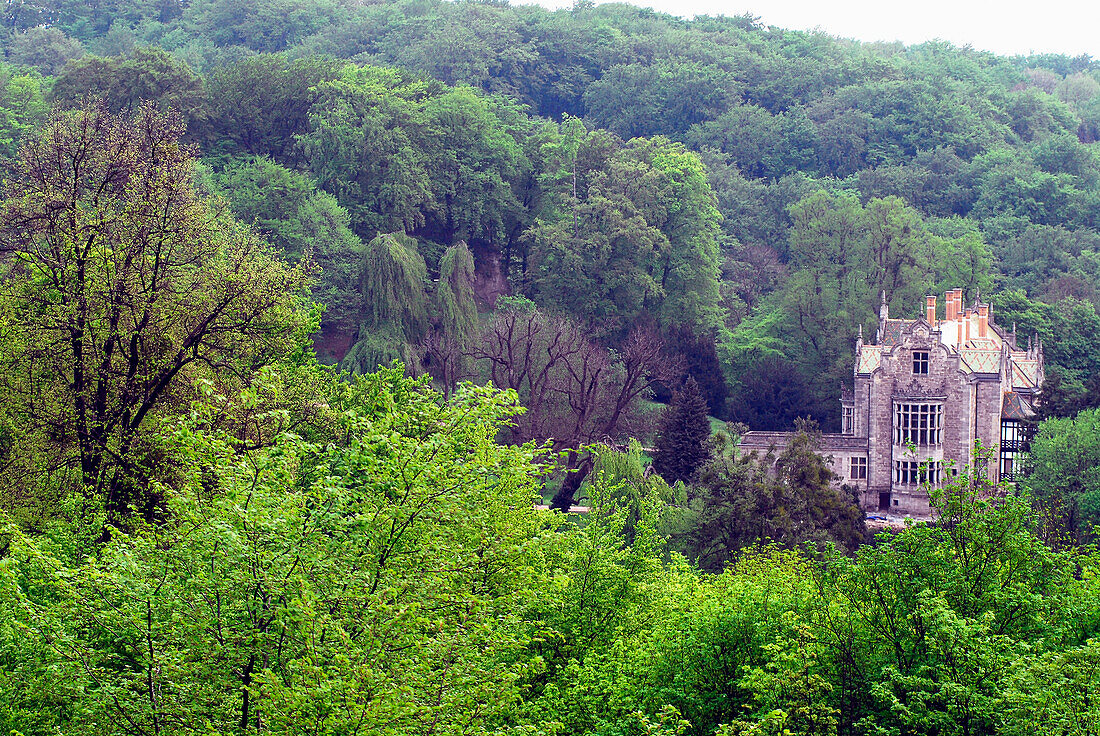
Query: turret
883 315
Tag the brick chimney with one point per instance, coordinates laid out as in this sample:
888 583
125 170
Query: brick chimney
953 309
930 309
983 320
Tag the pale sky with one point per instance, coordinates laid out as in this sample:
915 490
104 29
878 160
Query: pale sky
1007 27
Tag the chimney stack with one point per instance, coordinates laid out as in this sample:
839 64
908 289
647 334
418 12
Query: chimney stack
930 309
949 305
954 305
983 320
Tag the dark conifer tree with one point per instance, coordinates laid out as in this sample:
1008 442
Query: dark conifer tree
701 361
681 442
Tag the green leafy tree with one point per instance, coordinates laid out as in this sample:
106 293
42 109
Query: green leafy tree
302 223
45 48
1063 473
739 501
261 25
260 104
475 156
125 288
148 75
631 227
23 108
1044 696
367 583
665 98
956 687
455 318
361 147
934 617
395 314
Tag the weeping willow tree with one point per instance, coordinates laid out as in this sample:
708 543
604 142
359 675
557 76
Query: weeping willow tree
454 293
395 304
627 471
455 317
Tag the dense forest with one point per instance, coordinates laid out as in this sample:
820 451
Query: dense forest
306 304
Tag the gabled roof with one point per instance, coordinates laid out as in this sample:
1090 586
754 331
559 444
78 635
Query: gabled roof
891 335
980 360
869 358
1025 373
1016 406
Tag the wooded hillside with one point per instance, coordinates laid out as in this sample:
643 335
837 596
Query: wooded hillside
306 306
746 191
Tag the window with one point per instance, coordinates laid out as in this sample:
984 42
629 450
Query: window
1015 437
912 472
920 424
920 362
847 416
858 468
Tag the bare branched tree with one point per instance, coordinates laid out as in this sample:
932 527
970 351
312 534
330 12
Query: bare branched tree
576 391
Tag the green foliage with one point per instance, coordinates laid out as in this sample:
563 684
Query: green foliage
636 485
471 158
667 98
632 229
404 153
842 254
392 279
266 26
22 109
392 285
125 287
455 307
125 82
360 147
303 223
1063 473
738 501
1044 697
1070 332
682 438
45 49
260 104
293 595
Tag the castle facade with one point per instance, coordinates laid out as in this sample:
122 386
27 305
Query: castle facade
925 392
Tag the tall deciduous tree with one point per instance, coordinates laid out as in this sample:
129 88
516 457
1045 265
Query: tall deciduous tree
630 228
395 303
148 75
455 319
123 287
576 392
1064 473
301 222
368 584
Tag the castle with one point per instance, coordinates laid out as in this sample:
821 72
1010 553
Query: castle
925 392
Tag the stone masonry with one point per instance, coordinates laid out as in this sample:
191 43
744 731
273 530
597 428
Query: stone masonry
925 392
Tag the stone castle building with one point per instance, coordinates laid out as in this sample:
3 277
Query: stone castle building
925 392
